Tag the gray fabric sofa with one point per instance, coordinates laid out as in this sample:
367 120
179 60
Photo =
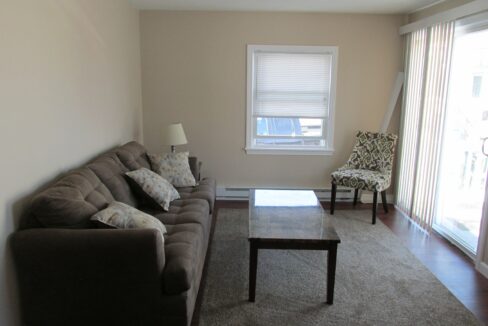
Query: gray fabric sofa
71 273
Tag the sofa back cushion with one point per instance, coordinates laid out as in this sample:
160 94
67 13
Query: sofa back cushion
111 172
133 156
71 201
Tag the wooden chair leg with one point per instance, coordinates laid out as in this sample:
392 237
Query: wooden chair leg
333 198
356 191
375 204
383 200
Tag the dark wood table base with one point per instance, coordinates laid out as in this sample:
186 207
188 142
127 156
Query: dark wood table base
256 244
290 220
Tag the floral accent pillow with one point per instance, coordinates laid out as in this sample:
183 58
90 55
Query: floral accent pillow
121 216
155 186
174 167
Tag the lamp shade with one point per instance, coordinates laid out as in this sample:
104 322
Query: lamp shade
174 135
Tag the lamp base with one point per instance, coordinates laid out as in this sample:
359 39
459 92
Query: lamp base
173 148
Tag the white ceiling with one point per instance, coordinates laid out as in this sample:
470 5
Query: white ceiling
346 6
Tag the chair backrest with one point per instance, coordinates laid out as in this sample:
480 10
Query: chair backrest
373 151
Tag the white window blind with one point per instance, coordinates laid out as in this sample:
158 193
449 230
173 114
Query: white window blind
415 59
292 85
428 64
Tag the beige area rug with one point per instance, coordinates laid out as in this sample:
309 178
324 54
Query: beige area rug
378 281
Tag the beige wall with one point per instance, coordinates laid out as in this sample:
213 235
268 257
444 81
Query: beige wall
69 89
194 71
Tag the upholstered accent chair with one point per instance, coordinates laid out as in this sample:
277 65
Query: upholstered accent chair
368 168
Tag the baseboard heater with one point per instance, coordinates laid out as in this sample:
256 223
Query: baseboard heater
235 193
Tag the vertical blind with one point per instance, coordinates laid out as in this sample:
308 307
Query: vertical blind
292 84
428 62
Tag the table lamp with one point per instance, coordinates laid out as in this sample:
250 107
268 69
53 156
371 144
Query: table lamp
174 135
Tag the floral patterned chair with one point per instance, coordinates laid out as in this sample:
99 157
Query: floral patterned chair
368 168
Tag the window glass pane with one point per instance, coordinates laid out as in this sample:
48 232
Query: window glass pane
464 168
289 127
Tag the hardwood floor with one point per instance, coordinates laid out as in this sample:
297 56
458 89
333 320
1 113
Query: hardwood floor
449 264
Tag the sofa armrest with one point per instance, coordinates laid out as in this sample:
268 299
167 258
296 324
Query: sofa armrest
195 167
89 276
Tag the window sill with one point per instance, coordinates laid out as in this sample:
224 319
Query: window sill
289 151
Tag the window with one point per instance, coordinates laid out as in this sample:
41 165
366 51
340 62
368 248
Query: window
290 99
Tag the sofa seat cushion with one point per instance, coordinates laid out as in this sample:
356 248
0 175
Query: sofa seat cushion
183 211
183 244
192 210
188 228
206 189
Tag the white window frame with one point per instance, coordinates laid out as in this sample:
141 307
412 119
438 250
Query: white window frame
328 149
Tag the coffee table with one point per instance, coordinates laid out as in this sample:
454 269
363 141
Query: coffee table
290 219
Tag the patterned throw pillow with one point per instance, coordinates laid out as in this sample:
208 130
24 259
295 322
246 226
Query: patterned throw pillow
174 167
154 186
121 216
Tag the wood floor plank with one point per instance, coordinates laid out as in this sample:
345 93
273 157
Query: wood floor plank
447 262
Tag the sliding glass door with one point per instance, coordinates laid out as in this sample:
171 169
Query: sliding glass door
463 167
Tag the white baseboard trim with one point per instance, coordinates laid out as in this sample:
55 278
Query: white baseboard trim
367 198
483 269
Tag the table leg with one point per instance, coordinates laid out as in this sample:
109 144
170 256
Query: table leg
331 268
253 267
